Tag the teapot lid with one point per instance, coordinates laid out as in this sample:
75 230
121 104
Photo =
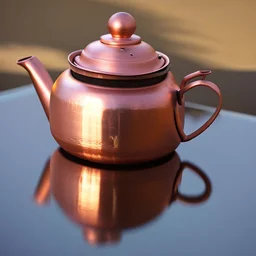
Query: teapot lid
120 53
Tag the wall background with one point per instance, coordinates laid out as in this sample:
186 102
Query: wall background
217 35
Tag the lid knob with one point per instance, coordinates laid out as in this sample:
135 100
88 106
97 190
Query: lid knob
121 25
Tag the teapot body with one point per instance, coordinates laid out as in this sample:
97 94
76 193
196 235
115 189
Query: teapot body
115 125
118 103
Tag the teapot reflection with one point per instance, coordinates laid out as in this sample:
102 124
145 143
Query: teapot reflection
106 200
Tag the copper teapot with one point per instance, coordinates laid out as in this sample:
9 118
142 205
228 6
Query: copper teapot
118 102
105 200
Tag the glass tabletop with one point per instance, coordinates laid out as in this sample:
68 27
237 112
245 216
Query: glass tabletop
198 200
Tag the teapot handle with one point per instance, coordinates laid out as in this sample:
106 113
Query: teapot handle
183 89
192 199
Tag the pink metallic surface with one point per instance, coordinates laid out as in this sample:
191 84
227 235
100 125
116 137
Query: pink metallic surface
105 201
40 78
121 52
116 69
183 89
117 125
114 125
121 25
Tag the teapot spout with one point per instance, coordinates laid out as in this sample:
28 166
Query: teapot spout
40 78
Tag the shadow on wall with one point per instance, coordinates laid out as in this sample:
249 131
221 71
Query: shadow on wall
52 30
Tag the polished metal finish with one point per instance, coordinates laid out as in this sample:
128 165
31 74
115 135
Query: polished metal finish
40 78
105 200
121 25
183 89
114 125
114 105
120 52
108 75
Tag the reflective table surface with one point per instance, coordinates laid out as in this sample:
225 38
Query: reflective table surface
199 200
